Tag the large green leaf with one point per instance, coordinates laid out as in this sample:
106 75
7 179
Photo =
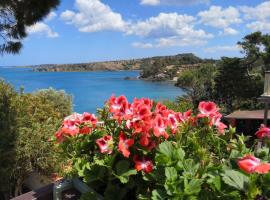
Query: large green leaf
166 148
193 186
236 179
171 173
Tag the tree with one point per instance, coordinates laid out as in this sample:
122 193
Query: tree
256 47
198 83
16 16
234 88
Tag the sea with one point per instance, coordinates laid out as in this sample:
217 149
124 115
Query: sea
90 90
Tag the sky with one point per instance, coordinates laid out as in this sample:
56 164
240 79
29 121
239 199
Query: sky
99 30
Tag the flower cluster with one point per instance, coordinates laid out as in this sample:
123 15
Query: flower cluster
210 110
76 124
251 164
144 125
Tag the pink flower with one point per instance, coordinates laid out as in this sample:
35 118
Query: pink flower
183 117
105 144
251 164
159 127
75 117
124 144
143 164
207 108
90 118
215 119
263 132
173 122
70 128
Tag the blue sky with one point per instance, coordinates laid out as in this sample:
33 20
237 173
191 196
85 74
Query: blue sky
97 30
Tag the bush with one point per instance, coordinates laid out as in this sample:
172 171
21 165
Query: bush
26 124
146 151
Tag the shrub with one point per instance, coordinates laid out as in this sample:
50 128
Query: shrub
146 151
26 123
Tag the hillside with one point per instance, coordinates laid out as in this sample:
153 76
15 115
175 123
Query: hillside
157 68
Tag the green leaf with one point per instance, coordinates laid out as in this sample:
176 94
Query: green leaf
236 179
166 148
179 154
122 166
158 194
190 168
215 182
123 171
171 173
193 186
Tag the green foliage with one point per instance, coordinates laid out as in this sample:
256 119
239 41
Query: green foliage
231 73
26 124
179 105
15 16
198 83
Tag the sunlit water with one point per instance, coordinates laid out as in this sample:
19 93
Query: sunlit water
90 89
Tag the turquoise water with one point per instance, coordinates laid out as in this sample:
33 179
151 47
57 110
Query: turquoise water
90 89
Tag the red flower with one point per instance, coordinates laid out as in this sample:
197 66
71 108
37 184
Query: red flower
143 164
124 144
105 144
251 164
70 128
183 117
207 108
87 117
160 127
263 132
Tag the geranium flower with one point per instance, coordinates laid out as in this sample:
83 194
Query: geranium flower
143 164
124 144
159 127
251 164
70 127
105 144
75 117
91 118
183 117
263 132
215 119
207 108
162 110
173 122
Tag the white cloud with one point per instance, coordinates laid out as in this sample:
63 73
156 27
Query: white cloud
142 45
168 25
93 16
174 41
220 18
173 2
50 16
258 17
260 12
229 31
150 2
221 48
263 26
42 29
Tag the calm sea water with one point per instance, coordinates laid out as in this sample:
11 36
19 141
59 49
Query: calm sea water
90 89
